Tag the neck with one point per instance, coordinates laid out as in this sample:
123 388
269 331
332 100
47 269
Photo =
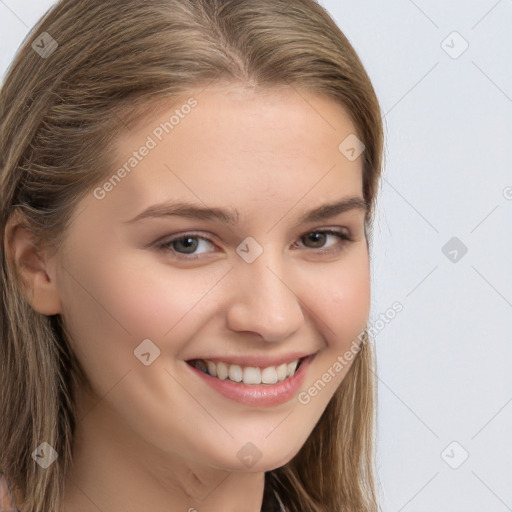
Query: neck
115 470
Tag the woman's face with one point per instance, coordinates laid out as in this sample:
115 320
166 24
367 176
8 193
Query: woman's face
143 295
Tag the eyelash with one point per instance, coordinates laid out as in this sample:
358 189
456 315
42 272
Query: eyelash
166 246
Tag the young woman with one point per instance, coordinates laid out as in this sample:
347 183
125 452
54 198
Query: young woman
187 194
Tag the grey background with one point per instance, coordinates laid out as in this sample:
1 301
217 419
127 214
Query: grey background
445 361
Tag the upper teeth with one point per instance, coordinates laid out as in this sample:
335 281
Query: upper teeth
248 374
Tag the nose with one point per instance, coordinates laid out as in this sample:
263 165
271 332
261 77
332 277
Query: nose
264 302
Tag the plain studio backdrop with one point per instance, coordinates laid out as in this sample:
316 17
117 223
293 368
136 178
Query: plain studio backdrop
443 234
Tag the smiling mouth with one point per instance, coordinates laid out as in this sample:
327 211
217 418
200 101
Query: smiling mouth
251 375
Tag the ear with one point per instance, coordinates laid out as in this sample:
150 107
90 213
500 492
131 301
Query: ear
34 266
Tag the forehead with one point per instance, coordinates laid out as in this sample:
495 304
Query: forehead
240 147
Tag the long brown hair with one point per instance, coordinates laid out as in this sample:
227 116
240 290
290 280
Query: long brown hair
61 109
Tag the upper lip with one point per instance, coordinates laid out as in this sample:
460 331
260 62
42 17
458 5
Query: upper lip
255 360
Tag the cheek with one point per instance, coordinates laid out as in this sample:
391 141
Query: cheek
342 305
351 305
129 294
340 298
114 302
164 302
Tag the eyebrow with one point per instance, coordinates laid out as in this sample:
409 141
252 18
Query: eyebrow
231 216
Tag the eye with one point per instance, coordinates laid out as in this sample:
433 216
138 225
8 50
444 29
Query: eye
188 243
319 237
185 246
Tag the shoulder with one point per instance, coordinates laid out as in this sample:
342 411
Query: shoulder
7 503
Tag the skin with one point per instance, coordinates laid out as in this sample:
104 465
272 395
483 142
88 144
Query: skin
157 437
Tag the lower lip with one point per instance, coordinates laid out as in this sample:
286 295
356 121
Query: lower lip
259 395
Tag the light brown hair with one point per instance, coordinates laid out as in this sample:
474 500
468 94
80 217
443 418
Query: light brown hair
59 116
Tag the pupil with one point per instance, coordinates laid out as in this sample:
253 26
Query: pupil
317 237
188 248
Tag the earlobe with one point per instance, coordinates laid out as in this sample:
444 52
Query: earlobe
36 269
